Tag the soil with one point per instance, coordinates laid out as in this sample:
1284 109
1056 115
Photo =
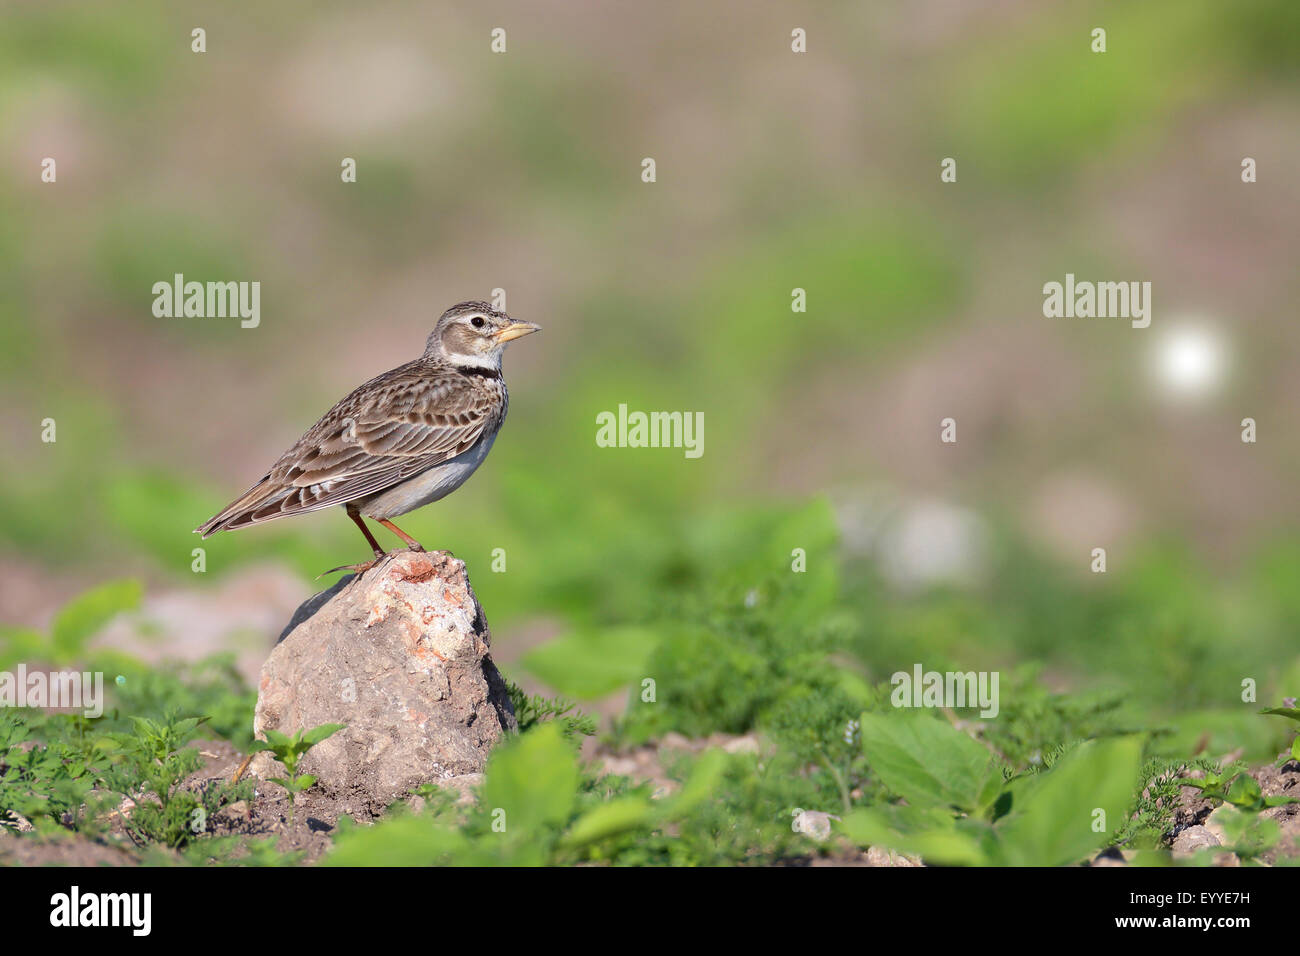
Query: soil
316 816
1194 810
267 814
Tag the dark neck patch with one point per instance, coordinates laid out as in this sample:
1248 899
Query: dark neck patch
480 372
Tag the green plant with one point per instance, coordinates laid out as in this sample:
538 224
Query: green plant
45 784
961 808
1245 833
1240 800
820 730
147 766
1153 811
239 851
534 710
535 808
1236 787
211 686
1291 713
289 751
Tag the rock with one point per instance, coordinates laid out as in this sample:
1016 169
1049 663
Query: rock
1214 822
309 607
746 744
400 657
16 821
1192 839
876 856
1282 781
1208 835
1111 856
814 824
464 788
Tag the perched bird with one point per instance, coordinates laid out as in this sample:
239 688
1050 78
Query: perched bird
398 442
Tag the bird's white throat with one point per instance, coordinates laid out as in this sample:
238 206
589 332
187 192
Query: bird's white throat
490 361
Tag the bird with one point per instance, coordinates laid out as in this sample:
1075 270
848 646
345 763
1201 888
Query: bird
404 439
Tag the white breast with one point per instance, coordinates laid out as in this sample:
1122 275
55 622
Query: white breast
428 486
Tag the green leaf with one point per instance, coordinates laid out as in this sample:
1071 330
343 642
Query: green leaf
20 644
83 616
930 833
607 819
534 779
591 664
401 841
1245 792
305 781
314 736
700 785
183 728
279 742
925 759
855 687
1292 712
1055 818
13 731
989 793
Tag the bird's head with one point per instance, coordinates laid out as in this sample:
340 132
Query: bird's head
473 335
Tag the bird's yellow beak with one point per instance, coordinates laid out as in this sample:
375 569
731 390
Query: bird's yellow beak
516 330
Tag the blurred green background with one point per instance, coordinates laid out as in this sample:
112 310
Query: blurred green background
775 171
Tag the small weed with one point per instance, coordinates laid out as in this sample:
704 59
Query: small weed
289 751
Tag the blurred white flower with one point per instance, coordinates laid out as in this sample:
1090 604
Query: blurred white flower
916 544
1189 360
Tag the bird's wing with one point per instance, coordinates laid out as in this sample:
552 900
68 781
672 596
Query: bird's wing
389 429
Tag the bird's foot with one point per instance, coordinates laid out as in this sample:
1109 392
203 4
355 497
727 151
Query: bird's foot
357 569
360 569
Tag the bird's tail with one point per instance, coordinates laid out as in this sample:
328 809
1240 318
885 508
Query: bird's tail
258 503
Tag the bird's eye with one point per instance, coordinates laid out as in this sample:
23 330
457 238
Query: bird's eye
477 321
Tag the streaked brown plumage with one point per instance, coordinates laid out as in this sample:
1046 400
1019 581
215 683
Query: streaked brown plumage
401 440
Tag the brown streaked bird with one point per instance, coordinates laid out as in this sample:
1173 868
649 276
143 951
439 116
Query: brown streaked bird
402 440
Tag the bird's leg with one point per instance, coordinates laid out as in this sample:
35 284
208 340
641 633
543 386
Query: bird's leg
370 538
410 542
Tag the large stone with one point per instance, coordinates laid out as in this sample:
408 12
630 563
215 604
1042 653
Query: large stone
399 656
